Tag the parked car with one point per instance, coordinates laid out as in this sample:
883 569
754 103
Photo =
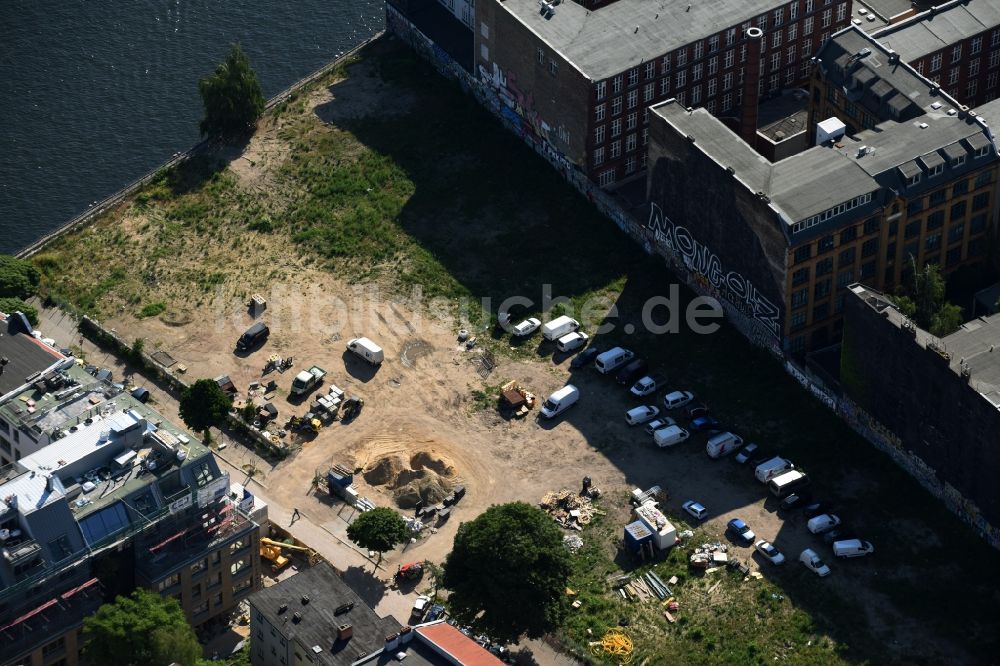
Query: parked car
677 399
572 341
647 385
705 424
744 454
670 436
813 509
632 371
695 410
435 613
822 523
695 509
638 415
769 552
852 548
420 606
656 424
759 457
740 531
814 563
795 500
839 533
526 328
586 357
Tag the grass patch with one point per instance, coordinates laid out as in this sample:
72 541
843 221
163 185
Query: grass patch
151 310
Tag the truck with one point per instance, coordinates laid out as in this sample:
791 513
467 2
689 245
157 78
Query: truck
307 380
647 385
367 350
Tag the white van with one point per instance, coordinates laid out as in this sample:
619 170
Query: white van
571 341
613 359
670 435
559 327
786 483
560 401
722 444
852 548
769 469
366 349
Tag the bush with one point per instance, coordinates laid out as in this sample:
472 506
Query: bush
18 278
151 310
11 305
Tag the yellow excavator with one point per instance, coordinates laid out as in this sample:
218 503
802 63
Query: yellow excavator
271 551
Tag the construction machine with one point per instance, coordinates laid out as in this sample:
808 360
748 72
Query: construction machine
271 550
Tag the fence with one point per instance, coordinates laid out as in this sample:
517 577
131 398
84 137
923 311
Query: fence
860 421
113 200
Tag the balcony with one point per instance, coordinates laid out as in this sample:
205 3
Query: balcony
22 553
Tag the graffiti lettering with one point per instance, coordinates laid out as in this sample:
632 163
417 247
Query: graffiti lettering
738 292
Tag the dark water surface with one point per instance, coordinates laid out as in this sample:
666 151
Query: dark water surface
95 93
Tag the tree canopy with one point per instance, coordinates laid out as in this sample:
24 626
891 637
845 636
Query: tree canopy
924 302
380 529
507 573
232 97
204 404
9 304
142 628
18 278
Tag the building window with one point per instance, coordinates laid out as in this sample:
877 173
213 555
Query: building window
953 257
630 142
169 581
553 67
848 234
630 165
803 253
935 220
650 70
601 89
776 39
912 229
800 276
867 270
727 60
727 101
616 127
52 648
800 298
824 266
616 85
484 30
713 43
807 28
599 112
846 257
713 65
682 57
645 135
664 86
616 106
983 178
727 81
797 320
599 135
606 178
953 76
956 233
870 247
665 64
974 67
696 95
977 224
937 198
994 61
821 312
199 566
825 244
599 156
822 289
681 78
649 92
956 53
976 46
712 85
981 201
871 225
935 171
980 152
237 566
630 121
957 211
935 62
616 149
484 52
932 242
845 278
827 19
699 50
541 56
633 76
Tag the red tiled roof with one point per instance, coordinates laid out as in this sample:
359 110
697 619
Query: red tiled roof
446 638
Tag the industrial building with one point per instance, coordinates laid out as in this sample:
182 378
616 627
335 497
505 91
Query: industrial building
582 77
117 498
955 44
937 399
909 174
314 617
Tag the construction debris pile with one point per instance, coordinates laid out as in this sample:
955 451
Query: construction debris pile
615 644
646 587
516 398
573 542
569 509
710 555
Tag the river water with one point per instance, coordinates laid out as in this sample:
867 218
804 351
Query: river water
94 93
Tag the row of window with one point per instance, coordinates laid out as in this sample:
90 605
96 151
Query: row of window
832 212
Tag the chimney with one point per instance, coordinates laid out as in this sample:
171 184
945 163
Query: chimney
405 635
344 632
751 94
391 641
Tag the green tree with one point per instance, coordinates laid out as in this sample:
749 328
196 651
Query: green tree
18 278
204 404
10 304
380 529
507 573
142 628
436 574
924 302
232 97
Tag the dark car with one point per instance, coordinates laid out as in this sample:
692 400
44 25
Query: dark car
632 371
695 410
253 336
705 424
795 500
759 456
435 613
839 534
740 532
817 508
586 357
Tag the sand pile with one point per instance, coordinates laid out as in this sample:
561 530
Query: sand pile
424 479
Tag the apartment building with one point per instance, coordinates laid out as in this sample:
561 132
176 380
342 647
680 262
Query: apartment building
583 79
784 240
955 44
118 498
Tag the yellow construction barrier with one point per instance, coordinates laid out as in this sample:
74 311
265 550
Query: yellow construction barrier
615 644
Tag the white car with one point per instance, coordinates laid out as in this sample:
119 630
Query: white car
695 509
656 424
638 415
647 385
813 563
420 605
677 399
744 454
526 327
572 341
769 552
822 523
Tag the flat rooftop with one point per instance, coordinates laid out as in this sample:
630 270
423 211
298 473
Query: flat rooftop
25 355
318 622
614 38
935 29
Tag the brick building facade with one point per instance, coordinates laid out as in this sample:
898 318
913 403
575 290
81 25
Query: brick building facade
583 80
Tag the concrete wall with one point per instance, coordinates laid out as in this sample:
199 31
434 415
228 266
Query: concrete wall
932 410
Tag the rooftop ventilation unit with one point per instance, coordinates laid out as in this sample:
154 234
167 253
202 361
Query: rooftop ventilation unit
936 105
305 599
282 608
296 617
952 112
922 125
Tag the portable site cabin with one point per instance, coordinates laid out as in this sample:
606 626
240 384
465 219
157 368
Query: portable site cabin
664 533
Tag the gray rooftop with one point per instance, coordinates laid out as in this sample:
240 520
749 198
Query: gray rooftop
25 355
610 40
318 623
974 344
936 29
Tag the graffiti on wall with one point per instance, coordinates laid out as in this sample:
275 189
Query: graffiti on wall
734 287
